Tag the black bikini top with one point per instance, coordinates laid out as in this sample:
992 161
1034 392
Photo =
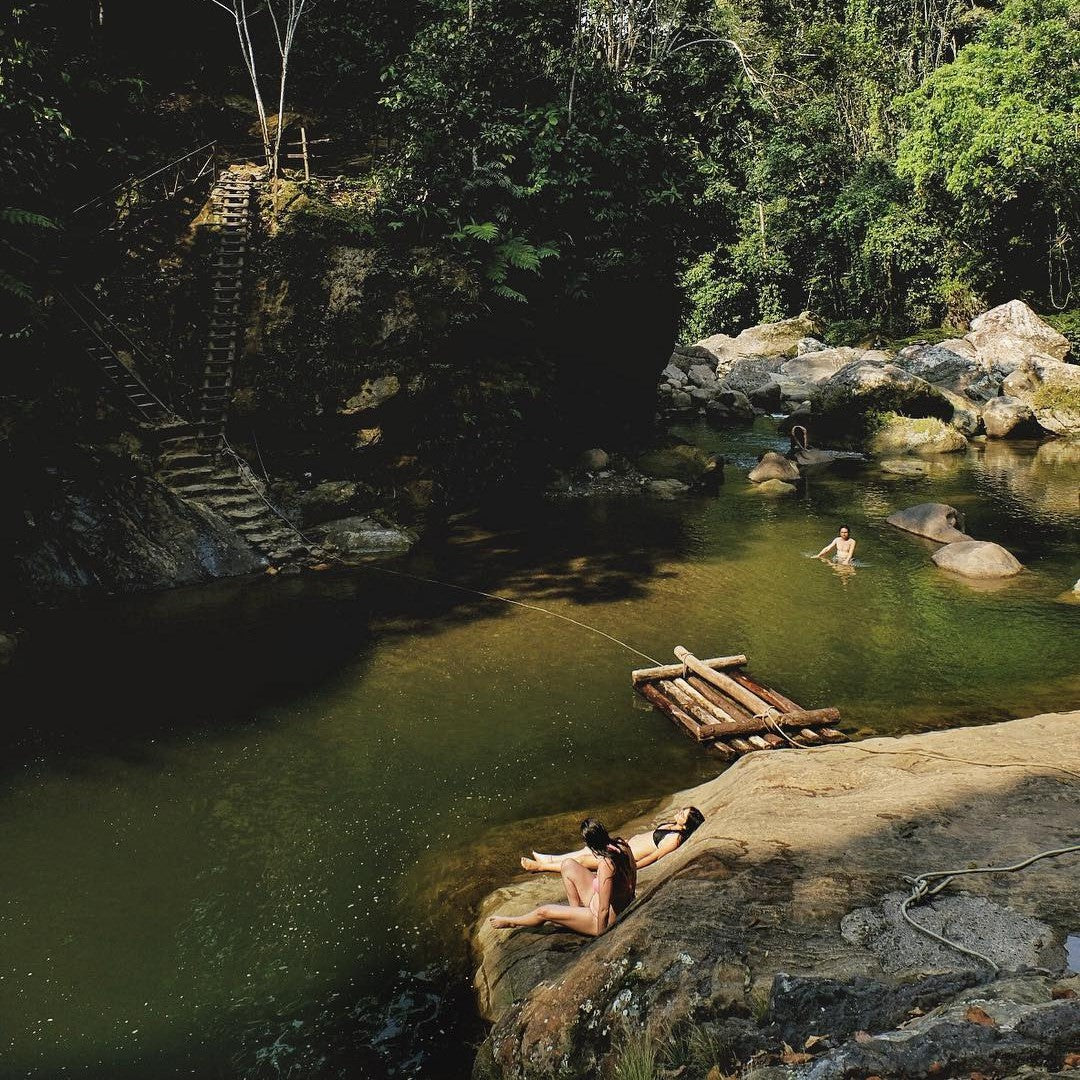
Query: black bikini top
659 834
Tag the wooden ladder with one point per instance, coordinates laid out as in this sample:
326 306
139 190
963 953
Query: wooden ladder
231 200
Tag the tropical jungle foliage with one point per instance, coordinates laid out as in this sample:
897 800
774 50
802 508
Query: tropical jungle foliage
900 161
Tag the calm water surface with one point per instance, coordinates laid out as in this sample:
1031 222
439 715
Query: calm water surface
243 828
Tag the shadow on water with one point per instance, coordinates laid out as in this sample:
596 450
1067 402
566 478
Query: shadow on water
245 824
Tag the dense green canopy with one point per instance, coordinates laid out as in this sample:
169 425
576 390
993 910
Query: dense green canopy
891 161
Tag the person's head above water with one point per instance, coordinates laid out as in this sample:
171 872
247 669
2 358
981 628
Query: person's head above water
845 532
596 837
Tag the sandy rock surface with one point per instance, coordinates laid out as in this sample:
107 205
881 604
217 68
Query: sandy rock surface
793 842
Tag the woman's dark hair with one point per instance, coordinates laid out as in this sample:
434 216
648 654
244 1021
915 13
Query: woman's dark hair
596 837
604 846
694 819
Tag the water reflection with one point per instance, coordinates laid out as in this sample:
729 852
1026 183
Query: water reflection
244 827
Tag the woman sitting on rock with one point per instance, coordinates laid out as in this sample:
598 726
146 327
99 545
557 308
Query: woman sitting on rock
647 846
594 900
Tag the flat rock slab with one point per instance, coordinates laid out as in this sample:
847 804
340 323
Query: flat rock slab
937 521
793 841
977 559
1013 941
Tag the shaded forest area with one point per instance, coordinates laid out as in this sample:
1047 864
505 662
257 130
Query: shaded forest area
907 160
568 185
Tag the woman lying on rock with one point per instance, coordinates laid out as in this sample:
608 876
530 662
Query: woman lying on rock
594 900
647 846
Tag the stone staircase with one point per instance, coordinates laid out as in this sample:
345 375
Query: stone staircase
196 461
215 477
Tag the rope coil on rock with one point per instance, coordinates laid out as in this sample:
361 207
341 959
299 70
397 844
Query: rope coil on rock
922 889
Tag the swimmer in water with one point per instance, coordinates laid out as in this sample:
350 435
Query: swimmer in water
845 547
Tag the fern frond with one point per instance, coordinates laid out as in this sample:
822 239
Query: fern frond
12 215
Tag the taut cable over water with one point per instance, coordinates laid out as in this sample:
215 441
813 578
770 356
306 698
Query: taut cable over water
516 603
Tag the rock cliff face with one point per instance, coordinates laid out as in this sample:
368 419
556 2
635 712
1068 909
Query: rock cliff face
97 530
794 842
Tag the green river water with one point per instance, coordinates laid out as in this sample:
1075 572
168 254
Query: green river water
243 828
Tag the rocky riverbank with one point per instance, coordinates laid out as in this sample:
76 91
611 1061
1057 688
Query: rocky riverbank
1009 376
775 932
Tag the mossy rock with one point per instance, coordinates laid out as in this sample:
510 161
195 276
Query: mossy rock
915 435
682 462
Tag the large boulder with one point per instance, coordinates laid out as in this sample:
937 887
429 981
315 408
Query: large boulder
752 906
953 365
767 339
1052 389
872 384
937 521
729 405
774 466
926 435
977 559
1011 333
1004 416
748 372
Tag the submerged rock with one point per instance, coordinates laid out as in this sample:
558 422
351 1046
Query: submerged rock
775 487
665 490
937 521
774 466
977 559
906 467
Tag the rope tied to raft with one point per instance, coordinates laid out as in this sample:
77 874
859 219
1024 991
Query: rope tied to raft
924 886
771 719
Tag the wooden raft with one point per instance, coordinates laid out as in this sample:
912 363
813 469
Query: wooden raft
716 702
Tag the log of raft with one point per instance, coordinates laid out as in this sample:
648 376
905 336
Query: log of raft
670 671
722 706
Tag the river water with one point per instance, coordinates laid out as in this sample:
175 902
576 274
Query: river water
243 828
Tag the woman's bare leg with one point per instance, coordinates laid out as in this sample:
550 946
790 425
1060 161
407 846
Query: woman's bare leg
578 883
539 856
579 919
552 863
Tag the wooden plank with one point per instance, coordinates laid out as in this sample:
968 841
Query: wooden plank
719 714
723 682
708 727
773 697
758 741
732 708
668 707
669 671
808 736
723 750
832 735
741 745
